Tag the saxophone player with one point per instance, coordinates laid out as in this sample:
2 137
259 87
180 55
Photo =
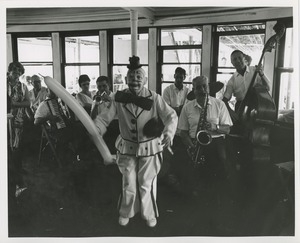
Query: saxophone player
215 124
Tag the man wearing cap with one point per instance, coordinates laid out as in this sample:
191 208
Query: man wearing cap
139 157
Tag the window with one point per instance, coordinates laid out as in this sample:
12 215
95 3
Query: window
36 56
82 56
121 54
181 47
249 38
285 89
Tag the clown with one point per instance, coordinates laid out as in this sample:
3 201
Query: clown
139 157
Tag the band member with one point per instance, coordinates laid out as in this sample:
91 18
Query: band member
139 158
239 82
210 115
101 103
38 93
69 133
102 98
175 94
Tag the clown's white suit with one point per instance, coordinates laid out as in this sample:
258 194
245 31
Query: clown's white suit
139 157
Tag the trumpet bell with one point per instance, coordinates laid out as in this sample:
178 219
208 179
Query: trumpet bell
203 137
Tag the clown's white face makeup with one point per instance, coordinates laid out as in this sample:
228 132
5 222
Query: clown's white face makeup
136 80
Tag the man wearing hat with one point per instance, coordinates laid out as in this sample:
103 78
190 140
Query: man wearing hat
139 156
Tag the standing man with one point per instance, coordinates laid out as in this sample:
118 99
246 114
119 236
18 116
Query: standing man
175 94
239 83
139 157
38 93
216 122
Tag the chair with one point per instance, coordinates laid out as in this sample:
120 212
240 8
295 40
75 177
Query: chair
48 140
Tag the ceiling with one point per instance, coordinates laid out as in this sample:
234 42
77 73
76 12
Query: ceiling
29 16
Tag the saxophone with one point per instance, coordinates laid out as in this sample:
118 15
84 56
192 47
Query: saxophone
203 138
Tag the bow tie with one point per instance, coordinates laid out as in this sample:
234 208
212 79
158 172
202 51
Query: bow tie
139 101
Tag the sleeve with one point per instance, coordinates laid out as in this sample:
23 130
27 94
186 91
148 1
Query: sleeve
183 119
93 104
103 119
167 115
79 99
42 111
26 93
224 118
166 95
229 88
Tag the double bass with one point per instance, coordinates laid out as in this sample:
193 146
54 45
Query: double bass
257 112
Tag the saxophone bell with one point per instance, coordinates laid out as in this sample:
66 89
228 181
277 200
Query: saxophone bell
203 137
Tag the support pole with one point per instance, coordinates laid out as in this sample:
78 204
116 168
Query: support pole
133 25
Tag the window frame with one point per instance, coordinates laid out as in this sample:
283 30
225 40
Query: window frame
216 41
64 64
161 48
111 64
15 52
279 65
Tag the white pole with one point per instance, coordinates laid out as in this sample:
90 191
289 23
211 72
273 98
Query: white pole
133 25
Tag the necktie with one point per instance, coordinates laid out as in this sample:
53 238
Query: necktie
139 101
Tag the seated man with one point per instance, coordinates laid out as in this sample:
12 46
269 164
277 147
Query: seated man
38 93
211 115
51 111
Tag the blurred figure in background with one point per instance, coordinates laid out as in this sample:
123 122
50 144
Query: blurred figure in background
85 96
38 93
18 97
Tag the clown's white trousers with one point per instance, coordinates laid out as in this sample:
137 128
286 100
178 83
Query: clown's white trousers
139 185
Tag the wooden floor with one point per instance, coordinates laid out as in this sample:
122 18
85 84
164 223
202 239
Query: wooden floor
80 200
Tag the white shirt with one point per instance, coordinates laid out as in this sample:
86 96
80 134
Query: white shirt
217 113
238 84
175 97
103 105
36 100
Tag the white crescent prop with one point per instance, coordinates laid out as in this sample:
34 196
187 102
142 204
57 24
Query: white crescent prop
82 115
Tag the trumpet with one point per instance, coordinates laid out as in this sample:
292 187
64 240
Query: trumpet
99 98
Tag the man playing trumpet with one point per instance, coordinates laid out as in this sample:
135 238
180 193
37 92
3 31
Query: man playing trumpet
210 116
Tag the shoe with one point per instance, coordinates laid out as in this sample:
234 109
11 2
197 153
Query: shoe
151 222
123 221
19 190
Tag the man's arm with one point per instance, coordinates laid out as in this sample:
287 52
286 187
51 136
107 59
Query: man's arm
41 120
94 111
103 119
169 119
264 79
233 115
186 139
24 103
